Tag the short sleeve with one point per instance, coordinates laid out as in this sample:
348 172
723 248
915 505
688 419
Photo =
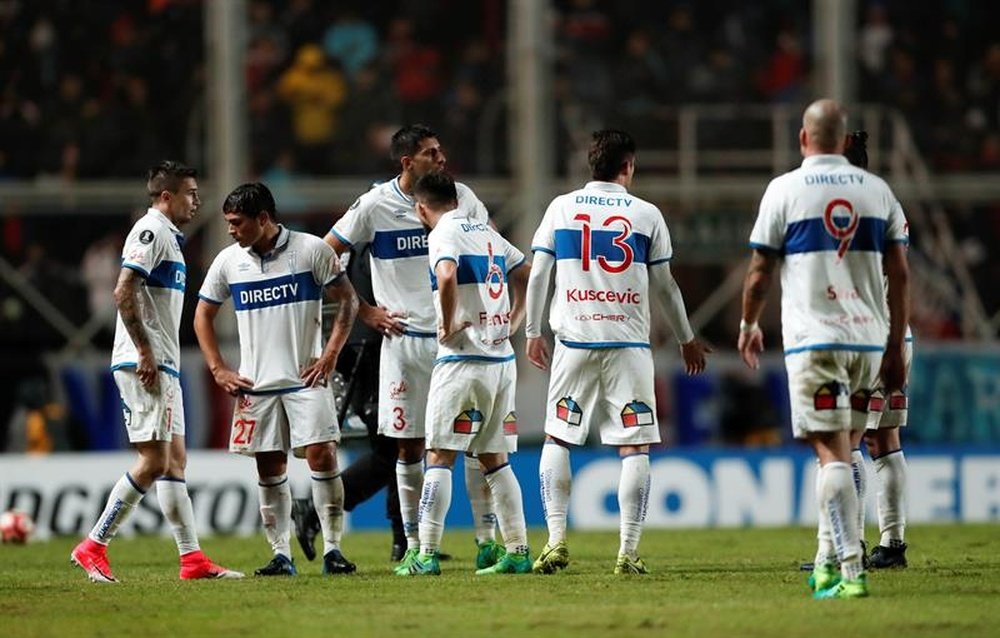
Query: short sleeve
144 250
355 226
897 229
512 255
661 250
769 230
215 288
441 245
471 205
326 267
544 239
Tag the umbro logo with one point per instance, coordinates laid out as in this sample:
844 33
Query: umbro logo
399 213
243 267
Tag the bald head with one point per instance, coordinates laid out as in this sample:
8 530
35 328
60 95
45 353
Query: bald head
824 125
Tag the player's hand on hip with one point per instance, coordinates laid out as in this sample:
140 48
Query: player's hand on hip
694 352
750 345
537 350
447 333
893 369
231 381
384 321
319 371
148 372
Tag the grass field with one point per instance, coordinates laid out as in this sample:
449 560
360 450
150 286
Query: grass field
704 583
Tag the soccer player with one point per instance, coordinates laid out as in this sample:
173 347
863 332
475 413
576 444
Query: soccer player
277 278
611 252
386 217
146 364
834 228
471 400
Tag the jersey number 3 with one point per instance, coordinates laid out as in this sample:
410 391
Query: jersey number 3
620 242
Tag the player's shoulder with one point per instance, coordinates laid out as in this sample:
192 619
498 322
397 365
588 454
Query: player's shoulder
149 227
377 195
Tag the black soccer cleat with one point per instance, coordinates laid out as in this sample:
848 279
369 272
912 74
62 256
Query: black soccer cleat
280 565
888 557
398 550
335 563
307 526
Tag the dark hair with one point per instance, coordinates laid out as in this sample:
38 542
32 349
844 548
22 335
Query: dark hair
167 176
856 149
250 200
406 141
609 150
436 190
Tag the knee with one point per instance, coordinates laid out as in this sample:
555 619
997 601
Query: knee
322 457
411 450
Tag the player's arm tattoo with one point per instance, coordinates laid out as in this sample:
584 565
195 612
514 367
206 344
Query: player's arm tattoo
127 300
347 306
757 283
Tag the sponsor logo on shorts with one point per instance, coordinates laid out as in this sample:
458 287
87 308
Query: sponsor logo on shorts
635 414
861 401
830 396
244 402
569 411
898 401
468 421
510 424
876 402
397 389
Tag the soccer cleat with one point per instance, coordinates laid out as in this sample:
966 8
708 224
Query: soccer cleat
845 589
551 559
508 564
280 565
404 564
397 552
307 526
92 557
490 552
195 565
823 577
628 565
883 557
335 563
421 565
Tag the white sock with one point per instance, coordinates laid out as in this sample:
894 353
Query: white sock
409 478
840 498
860 473
124 496
891 471
633 501
276 512
555 479
328 499
510 508
825 552
483 518
175 503
434 503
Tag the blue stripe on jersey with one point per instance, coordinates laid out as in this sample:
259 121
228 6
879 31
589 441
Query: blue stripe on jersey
474 269
850 347
597 345
395 244
810 235
136 267
473 357
543 249
168 274
343 240
252 295
569 244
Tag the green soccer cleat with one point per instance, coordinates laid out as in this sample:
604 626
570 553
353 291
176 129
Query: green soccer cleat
845 589
823 577
422 565
404 565
508 564
628 565
551 559
490 552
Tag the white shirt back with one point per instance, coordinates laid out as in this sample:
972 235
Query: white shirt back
153 249
603 239
278 300
387 217
483 259
830 222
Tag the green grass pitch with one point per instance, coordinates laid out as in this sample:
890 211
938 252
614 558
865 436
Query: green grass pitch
704 583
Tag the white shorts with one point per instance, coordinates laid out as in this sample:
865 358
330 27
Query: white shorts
831 390
150 417
891 413
405 365
284 421
611 387
471 407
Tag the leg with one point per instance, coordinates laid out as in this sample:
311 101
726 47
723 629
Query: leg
328 501
633 502
509 504
434 504
409 479
886 451
859 473
484 517
555 479
275 511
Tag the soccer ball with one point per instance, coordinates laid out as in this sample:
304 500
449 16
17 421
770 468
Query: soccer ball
15 527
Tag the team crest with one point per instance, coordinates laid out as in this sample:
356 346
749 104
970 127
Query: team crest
876 402
830 396
468 422
635 414
510 424
569 411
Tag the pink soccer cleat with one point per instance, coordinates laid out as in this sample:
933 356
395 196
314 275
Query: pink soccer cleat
195 565
92 557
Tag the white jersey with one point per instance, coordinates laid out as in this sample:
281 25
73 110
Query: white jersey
483 259
278 300
153 249
387 218
830 222
603 240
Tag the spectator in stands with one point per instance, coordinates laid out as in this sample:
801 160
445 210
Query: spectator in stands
351 40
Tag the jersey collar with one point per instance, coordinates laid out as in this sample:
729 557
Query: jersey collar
610 187
824 160
279 245
163 219
399 191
